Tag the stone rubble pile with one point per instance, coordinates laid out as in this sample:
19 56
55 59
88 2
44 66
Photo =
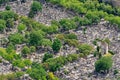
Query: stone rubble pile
5 67
50 13
84 68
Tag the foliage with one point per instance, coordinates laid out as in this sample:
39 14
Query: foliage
25 50
51 76
85 49
16 38
21 27
32 48
72 42
66 24
8 7
46 42
9 23
35 38
2 24
54 64
2 27
103 64
18 63
56 45
71 36
47 56
50 29
35 7
8 15
37 72
10 48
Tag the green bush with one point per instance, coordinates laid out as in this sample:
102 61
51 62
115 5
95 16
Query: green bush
21 27
9 23
8 7
47 56
8 15
86 49
46 42
71 36
103 64
67 24
25 50
18 63
35 7
2 27
10 48
37 72
72 42
56 45
32 48
35 38
16 38
2 24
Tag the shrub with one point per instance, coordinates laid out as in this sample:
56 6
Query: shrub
2 27
56 45
72 42
85 49
21 27
35 7
51 76
66 24
27 62
46 42
16 38
9 23
2 24
18 63
37 72
35 38
47 56
10 48
8 15
8 7
25 50
32 49
103 64
71 36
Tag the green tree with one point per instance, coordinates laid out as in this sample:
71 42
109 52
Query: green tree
103 64
56 45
